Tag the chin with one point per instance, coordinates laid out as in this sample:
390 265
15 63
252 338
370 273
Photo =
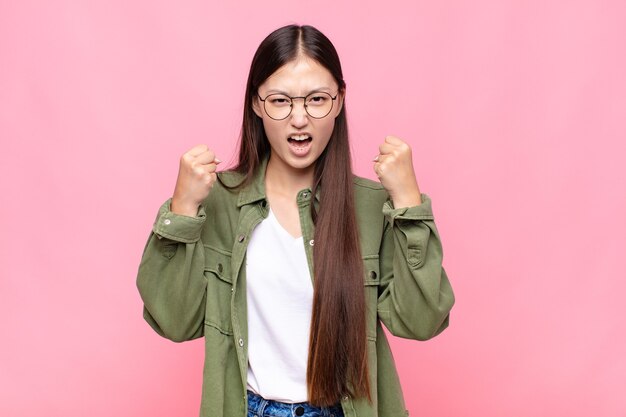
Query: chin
301 164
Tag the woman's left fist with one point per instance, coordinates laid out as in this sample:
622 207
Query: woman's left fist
394 168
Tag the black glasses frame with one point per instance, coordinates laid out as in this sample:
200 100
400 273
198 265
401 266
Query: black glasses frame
303 103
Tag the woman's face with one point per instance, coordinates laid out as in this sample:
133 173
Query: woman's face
298 78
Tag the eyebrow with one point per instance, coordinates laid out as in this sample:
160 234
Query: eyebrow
315 90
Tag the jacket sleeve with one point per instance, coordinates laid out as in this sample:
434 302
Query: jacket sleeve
415 296
171 276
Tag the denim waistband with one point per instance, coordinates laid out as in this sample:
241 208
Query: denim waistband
260 407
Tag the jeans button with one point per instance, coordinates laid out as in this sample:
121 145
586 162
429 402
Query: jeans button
299 410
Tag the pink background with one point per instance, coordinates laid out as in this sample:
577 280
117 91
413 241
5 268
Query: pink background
516 113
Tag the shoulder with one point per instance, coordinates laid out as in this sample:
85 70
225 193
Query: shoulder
366 183
222 211
369 198
366 190
225 190
229 178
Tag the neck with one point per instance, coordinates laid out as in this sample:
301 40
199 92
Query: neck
286 180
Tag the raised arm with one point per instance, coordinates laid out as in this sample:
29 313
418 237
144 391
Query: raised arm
171 273
415 295
171 276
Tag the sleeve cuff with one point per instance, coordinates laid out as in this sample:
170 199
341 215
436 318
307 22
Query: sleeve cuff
423 211
177 227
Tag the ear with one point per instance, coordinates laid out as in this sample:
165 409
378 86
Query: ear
256 106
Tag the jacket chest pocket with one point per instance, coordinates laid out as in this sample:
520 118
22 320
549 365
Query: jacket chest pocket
371 283
217 271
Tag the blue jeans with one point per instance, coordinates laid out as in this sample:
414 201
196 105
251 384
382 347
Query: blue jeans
260 407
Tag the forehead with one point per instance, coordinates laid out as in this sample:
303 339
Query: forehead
299 76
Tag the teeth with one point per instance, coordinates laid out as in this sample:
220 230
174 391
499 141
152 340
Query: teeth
299 137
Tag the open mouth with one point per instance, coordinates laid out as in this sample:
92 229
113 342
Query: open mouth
300 145
300 140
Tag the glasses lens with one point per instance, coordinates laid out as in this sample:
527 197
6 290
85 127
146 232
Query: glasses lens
277 106
319 104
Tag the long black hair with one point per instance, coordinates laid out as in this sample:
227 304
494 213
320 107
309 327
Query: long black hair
337 363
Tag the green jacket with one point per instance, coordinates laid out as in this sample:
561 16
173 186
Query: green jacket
192 279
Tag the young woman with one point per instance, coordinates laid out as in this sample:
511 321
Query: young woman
288 263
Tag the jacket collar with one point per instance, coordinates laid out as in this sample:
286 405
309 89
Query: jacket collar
255 191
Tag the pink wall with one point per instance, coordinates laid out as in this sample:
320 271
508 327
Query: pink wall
516 111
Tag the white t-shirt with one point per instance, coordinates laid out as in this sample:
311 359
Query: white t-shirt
280 298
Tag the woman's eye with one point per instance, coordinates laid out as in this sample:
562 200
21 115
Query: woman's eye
279 101
321 99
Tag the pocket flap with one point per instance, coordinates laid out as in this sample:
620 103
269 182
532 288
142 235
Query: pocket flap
218 262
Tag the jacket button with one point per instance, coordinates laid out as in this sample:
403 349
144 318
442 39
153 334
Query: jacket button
311 242
299 410
167 221
241 342
345 398
240 238
373 274
220 268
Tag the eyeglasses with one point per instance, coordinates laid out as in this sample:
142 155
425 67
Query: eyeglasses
317 105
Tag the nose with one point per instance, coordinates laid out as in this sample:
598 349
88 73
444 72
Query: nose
299 116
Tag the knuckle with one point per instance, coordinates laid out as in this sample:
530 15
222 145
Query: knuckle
198 171
187 159
196 167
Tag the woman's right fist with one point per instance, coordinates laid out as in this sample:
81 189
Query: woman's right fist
196 176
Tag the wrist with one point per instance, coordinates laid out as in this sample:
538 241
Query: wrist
406 199
184 208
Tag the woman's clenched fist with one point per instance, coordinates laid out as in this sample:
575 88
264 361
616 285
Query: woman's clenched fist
394 168
196 176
